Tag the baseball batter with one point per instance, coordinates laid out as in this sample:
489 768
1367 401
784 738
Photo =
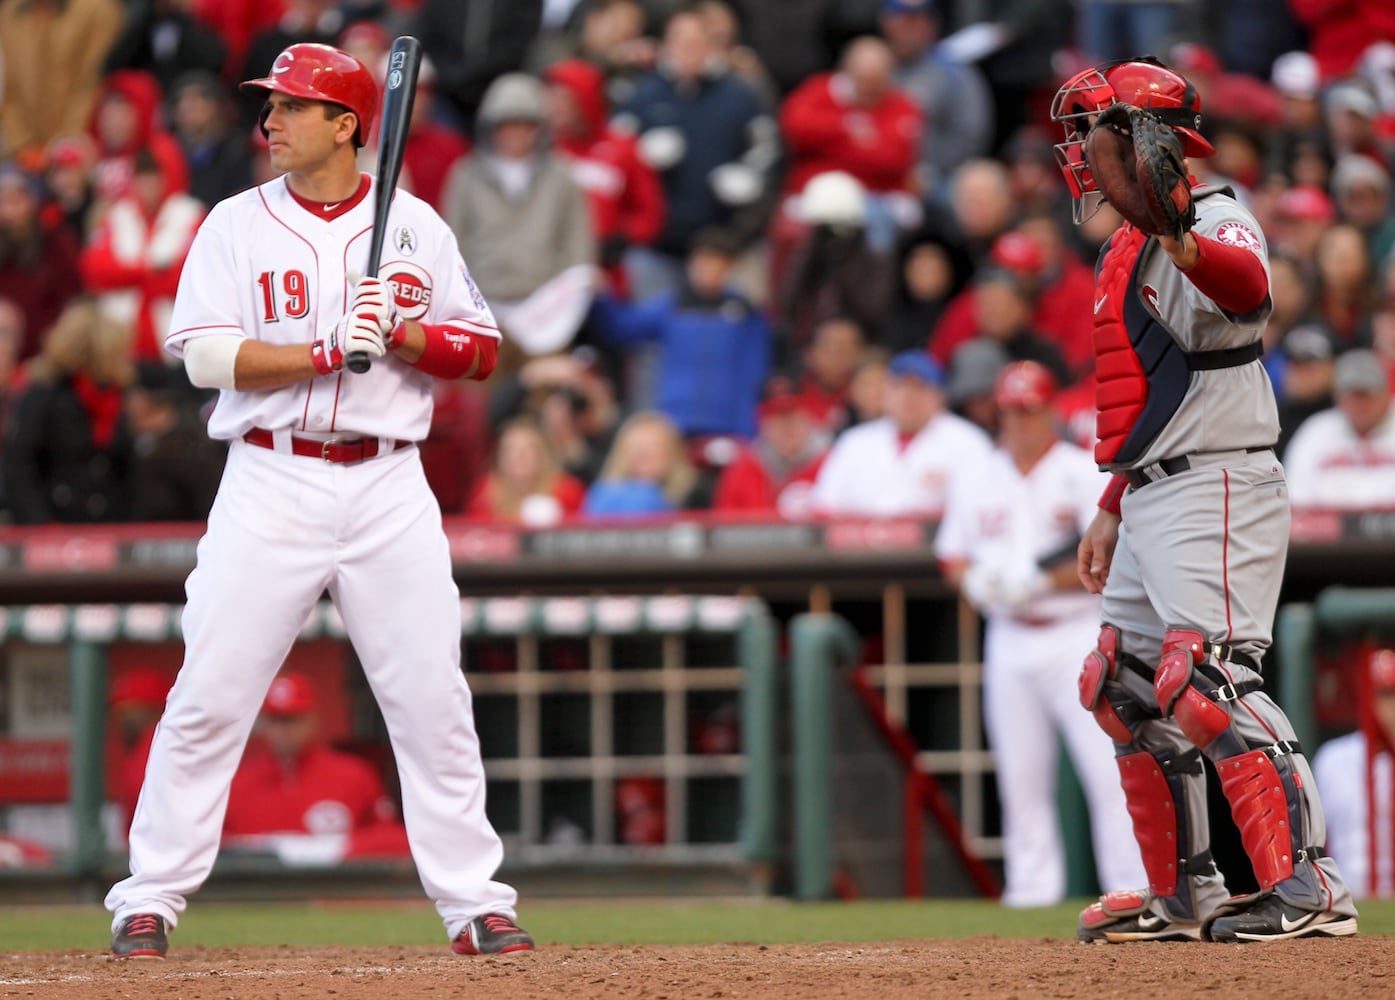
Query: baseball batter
323 491
1008 541
1188 549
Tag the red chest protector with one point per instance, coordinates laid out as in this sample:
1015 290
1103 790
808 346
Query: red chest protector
1121 386
1142 373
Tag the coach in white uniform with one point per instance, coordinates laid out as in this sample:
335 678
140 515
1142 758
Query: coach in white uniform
1008 541
323 490
1357 776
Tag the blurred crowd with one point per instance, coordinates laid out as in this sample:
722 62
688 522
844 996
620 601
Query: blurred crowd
747 255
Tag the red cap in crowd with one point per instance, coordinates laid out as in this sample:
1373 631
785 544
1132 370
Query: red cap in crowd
1383 670
1024 385
781 399
143 686
1305 203
1017 251
290 694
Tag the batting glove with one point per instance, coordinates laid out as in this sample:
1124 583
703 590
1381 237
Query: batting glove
355 332
375 296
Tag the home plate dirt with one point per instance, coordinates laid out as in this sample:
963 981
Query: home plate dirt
983 967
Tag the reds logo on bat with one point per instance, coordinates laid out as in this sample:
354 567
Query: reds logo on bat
411 288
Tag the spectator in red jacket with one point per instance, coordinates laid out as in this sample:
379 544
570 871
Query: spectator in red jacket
136 700
1062 290
298 784
775 473
135 256
855 120
527 483
125 121
38 263
1340 30
624 192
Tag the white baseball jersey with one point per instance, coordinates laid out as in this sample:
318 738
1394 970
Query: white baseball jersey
1340 769
1330 467
870 472
264 267
998 516
1001 517
287 528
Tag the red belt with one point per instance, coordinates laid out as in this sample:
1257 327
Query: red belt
336 452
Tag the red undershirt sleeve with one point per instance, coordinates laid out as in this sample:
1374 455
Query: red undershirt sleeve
1113 493
1230 276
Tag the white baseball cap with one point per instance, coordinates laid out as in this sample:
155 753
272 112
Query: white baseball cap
1295 74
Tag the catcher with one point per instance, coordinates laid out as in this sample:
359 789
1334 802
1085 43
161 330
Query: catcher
1189 543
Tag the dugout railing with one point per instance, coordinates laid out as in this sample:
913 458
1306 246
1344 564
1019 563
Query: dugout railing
593 691
917 640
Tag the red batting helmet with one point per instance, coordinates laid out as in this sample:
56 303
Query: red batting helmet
1143 82
1024 385
322 73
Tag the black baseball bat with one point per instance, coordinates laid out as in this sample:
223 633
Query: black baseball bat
399 90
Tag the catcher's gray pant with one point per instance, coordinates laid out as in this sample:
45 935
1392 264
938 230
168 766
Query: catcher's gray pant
1204 550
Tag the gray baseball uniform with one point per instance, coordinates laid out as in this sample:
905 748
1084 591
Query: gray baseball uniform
1194 585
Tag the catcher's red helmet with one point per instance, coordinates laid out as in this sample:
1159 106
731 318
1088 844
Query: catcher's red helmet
1024 385
1143 82
322 73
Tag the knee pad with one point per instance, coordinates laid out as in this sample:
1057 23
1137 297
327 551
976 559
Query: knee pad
1099 668
1201 717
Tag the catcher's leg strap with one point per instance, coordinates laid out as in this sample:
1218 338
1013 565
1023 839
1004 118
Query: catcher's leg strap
1262 789
1153 790
1117 716
1192 688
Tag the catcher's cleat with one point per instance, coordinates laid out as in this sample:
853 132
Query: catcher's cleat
1120 917
140 936
1264 916
491 934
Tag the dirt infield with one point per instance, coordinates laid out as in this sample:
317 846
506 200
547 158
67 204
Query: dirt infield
974 968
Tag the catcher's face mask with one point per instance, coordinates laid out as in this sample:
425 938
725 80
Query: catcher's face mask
1143 82
1075 106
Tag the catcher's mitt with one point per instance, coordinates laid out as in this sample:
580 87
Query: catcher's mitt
1137 164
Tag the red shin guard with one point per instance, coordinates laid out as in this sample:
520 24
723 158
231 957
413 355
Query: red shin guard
1259 803
1154 814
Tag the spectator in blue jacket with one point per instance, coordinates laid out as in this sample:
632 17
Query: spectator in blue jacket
713 345
703 129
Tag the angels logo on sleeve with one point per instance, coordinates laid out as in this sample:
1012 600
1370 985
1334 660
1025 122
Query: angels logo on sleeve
411 288
1237 234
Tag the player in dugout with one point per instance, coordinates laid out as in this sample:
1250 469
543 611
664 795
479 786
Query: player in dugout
296 783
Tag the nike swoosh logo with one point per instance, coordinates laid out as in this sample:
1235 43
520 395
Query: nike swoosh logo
331 208
1151 922
1301 921
1099 303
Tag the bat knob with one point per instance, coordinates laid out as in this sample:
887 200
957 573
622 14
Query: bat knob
359 362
